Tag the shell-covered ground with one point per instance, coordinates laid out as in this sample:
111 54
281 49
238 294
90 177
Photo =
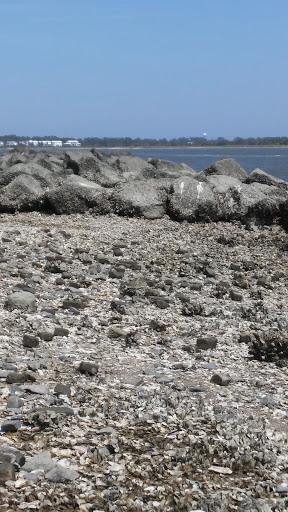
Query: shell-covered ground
159 421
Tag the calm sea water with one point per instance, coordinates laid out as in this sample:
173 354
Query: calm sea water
271 160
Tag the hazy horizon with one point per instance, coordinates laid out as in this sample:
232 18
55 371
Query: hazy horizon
162 69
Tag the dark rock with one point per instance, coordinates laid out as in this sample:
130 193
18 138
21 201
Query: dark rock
236 296
46 335
7 472
193 309
209 272
73 303
61 331
221 379
20 378
116 273
161 302
245 337
30 341
88 368
12 455
62 389
157 326
10 426
206 343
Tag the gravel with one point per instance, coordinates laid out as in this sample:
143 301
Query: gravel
121 400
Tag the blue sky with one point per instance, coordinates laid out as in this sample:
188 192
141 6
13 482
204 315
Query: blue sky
144 68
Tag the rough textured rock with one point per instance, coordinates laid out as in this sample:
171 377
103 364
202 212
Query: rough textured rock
226 167
78 195
21 300
191 200
141 199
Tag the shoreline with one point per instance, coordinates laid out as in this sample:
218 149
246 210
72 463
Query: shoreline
127 148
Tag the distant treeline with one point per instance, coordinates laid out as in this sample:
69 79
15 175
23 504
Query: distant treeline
108 142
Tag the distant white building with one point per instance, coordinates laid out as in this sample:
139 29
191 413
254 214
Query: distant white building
11 143
1 143
33 142
46 142
72 143
56 143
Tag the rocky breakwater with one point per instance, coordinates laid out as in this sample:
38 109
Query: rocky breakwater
143 362
82 181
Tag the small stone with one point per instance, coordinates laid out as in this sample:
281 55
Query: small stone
14 402
11 426
157 326
116 273
30 341
117 332
196 286
282 488
245 337
20 378
7 472
198 389
221 379
192 309
41 460
89 368
268 400
161 302
209 272
61 331
209 366
61 474
76 304
206 343
21 300
46 335
12 455
236 296
62 389
37 389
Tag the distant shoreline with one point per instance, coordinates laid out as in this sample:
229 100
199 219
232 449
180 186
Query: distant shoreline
127 148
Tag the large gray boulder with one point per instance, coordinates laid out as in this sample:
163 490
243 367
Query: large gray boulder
259 176
226 167
93 166
39 173
192 200
23 193
256 201
133 168
143 198
166 169
78 195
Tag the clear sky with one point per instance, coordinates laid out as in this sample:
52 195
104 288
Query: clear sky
144 68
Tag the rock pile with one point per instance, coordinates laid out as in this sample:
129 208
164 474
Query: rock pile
91 181
134 371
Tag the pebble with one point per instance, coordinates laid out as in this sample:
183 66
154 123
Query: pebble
221 379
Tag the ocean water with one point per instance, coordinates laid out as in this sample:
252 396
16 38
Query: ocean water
271 160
